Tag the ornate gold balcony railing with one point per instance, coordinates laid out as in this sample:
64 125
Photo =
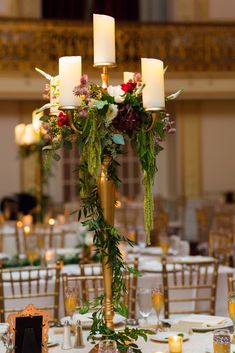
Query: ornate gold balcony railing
183 47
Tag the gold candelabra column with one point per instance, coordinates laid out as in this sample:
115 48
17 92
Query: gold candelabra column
107 199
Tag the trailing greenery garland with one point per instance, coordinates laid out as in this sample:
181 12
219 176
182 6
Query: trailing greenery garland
99 128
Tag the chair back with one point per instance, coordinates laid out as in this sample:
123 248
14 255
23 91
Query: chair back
221 246
189 287
18 286
231 282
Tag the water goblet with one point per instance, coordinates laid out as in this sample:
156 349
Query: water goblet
158 302
144 303
231 310
221 341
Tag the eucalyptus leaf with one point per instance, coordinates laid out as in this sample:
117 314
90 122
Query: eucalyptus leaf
118 139
100 104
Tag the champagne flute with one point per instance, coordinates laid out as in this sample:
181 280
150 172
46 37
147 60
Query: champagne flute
71 301
157 302
231 310
144 303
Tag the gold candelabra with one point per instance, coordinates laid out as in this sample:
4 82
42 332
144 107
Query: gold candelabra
107 198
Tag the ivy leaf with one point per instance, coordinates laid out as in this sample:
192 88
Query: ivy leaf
118 139
56 157
67 144
122 310
44 118
100 104
83 310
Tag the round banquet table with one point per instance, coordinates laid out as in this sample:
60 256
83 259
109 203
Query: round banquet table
197 343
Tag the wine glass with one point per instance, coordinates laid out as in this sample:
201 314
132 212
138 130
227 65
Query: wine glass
71 300
107 346
157 302
231 310
141 238
164 244
144 303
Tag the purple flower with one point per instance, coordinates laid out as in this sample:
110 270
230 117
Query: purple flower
80 91
84 79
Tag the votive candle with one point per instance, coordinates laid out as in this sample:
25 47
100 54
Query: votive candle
70 71
104 40
175 344
153 78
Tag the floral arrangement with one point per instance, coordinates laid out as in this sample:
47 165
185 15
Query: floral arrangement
99 127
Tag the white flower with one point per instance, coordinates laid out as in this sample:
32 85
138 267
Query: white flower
88 239
112 112
117 93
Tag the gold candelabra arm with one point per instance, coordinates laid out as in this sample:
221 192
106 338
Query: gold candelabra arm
70 111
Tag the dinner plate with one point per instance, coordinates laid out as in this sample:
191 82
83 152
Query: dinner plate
52 342
163 336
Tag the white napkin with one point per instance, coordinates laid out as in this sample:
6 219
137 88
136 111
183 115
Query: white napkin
202 320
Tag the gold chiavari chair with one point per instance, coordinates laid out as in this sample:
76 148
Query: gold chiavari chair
231 282
202 224
225 221
90 285
15 236
18 286
192 281
221 246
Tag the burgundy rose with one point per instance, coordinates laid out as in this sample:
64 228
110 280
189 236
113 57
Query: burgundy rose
127 120
129 86
63 120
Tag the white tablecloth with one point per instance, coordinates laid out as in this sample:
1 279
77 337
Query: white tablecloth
197 343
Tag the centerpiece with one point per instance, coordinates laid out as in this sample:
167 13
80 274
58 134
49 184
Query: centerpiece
98 120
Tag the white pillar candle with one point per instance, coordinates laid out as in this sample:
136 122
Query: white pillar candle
70 71
30 137
104 40
127 76
19 134
153 78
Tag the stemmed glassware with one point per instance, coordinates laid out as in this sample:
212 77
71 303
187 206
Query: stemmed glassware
158 302
71 300
231 310
144 302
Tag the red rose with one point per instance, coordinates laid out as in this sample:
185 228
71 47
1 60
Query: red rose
128 87
63 119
